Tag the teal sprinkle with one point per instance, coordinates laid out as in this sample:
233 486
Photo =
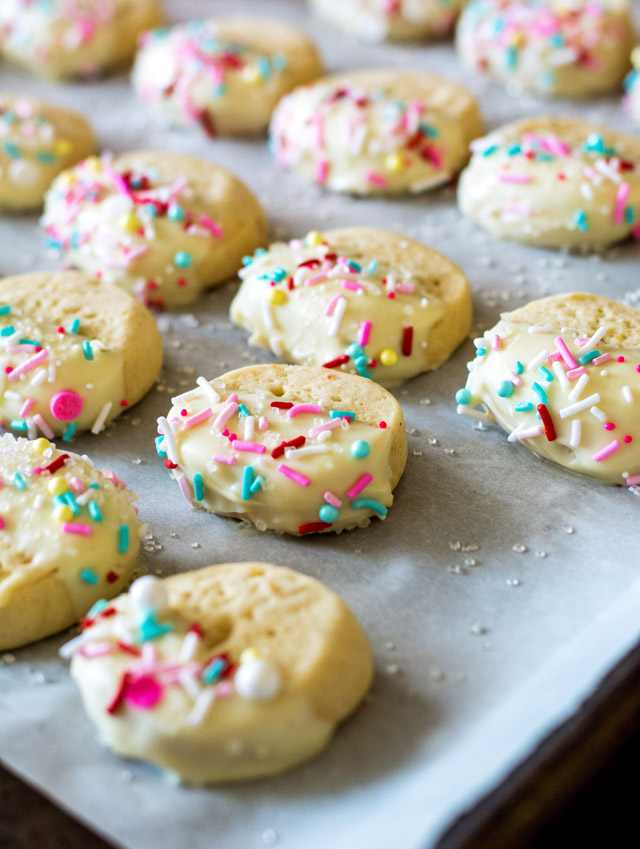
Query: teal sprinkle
354 350
370 504
53 243
586 358
75 324
182 259
328 513
518 368
70 501
242 411
247 480
260 252
580 220
542 395
94 486
278 61
19 482
97 608
512 57
175 212
4 310
257 484
8 330
629 215
150 629
94 511
264 67
89 577
547 79
489 150
463 397
28 342
198 488
67 436
58 499
86 350
153 212
524 408
361 365
514 149
595 144
46 156
556 40
214 670
247 260
354 266
429 130
158 441
123 539
544 157
12 150
544 372
505 389
19 424
480 352
219 90
341 414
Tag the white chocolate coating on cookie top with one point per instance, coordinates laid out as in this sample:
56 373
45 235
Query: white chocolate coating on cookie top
55 380
360 134
400 20
228 458
571 49
554 182
69 536
590 392
314 307
225 75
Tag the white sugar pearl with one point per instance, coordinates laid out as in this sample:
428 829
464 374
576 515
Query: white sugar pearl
258 680
149 593
23 172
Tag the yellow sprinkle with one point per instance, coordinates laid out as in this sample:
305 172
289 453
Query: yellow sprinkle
93 164
63 147
313 239
517 39
388 357
57 486
129 222
278 297
251 653
394 162
63 513
250 74
41 445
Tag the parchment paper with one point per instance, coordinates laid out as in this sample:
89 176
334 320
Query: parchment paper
497 594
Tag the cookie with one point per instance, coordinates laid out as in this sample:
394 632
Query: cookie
561 375
75 353
70 536
38 141
228 673
162 225
631 100
376 132
554 182
292 448
399 20
358 299
74 38
576 49
225 75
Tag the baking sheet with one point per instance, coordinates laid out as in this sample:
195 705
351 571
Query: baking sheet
497 594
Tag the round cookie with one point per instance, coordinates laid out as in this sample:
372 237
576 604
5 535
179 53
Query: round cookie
380 131
224 74
74 38
70 536
37 142
631 100
291 448
576 49
358 299
554 182
399 20
162 225
228 673
75 353
561 376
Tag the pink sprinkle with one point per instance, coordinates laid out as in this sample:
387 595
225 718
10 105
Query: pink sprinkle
576 372
232 398
1 523
229 411
607 451
515 378
565 353
197 418
330 425
322 170
609 426
26 407
263 423
603 358
110 475
405 288
73 528
496 342
514 178
225 689
215 229
332 499
315 278
96 649
303 408
183 483
621 202
143 693
29 364
554 356
296 477
118 180
332 304
225 458
377 179
364 332
77 485
359 485
633 480
556 146
253 447
350 284
522 209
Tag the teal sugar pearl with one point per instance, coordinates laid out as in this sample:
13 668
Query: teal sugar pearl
328 513
175 212
182 259
505 389
360 449
354 350
463 397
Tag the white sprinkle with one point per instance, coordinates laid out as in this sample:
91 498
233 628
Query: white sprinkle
267 314
189 646
586 191
538 328
202 706
626 394
169 439
39 500
576 392
209 391
294 453
98 425
249 423
473 414
189 682
12 396
39 377
576 433
530 432
598 413
542 357
336 318
66 650
591 343
560 373
572 409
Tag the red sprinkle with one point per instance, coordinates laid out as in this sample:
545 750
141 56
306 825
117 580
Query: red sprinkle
282 405
114 704
125 647
61 330
54 465
170 465
609 426
620 359
382 425
112 577
391 295
407 341
313 527
626 439
197 629
298 442
338 361
124 403
549 429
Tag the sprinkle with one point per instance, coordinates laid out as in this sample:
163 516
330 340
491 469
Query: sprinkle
228 411
169 439
359 485
633 480
603 358
549 429
407 341
247 480
225 458
215 229
89 576
585 359
123 539
540 392
605 452
577 389
296 477
249 423
338 361
621 200
94 511
116 701
364 332
313 527
29 365
317 429
252 447
336 318
72 528
68 435
572 409
198 487
593 341
576 433
560 373
184 487
527 433
197 418
573 373
282 405
342 414
19 482
351 285
182 259
463 397
263 423
209 391
598 413
626 394
580 220
332 304
505 389
257 484
370 504
332 499
360 449
565 353
87 350
279 450
524 408
376 179
514 178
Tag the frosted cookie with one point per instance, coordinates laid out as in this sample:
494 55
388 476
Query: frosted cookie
379 131
298 450
37 142
74 38
568 49
74 353
225 74
554 182
228 673
631 98
162 225
561 375
70 536
358 299
399 20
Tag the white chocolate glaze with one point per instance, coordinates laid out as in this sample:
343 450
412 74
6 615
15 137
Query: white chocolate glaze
594 411
381 20
289 489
